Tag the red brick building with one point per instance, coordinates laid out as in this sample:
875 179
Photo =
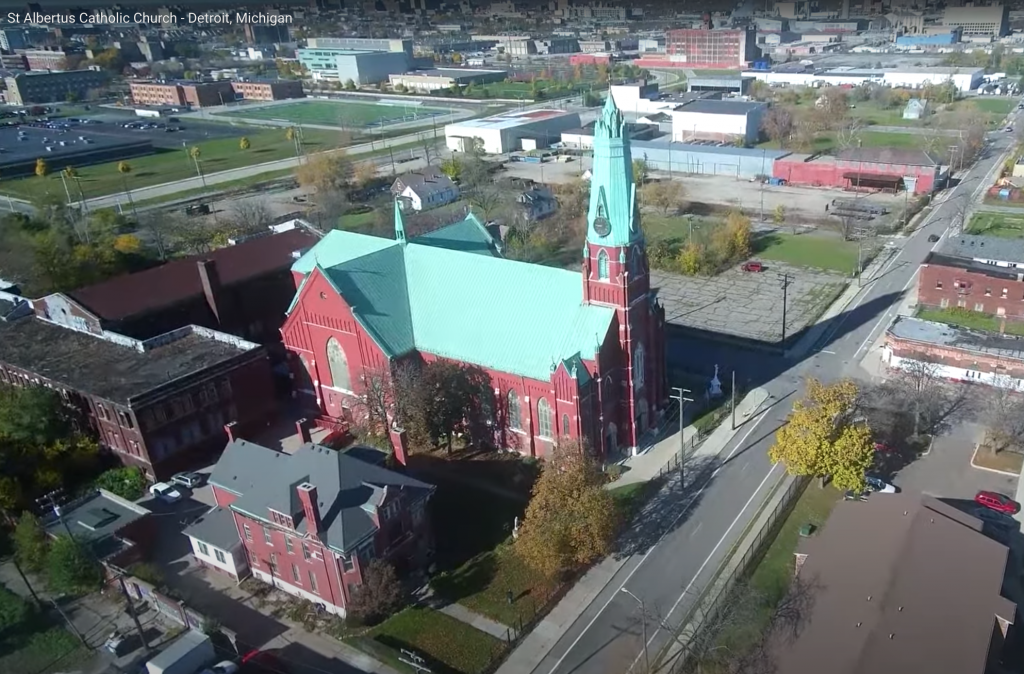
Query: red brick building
862 169
310 522
947 281
162 403
272 90
706 47
191 94
959 354
567 355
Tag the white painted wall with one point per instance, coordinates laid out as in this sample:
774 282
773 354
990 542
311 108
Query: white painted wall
958 373
684 124
234 563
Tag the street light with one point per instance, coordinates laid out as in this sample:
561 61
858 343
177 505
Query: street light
679 394
643 621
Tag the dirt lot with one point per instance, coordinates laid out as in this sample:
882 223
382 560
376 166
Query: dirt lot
802 204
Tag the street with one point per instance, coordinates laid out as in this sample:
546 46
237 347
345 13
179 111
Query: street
669 575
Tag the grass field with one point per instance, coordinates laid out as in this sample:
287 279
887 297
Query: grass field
170 165
342 114
972 320
808 250
1003 225
448 645
993 105
827 141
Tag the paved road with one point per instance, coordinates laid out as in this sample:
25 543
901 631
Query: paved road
668 575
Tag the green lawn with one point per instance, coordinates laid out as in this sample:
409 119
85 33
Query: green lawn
808 250
993 105
973 320
827 141
448 645
170 165
343 114
358 221
51 650
1003 225
677 227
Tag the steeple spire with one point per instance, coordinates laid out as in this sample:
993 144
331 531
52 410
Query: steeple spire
614 217
399 223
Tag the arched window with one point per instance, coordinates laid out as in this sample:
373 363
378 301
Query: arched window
636 266
565 425
514 417
638 366
544 421
338 364
602 266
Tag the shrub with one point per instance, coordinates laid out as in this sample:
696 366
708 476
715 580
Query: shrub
72 569
380 595
128 483
13 609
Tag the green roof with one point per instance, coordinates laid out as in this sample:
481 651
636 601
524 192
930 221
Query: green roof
468 236
481 309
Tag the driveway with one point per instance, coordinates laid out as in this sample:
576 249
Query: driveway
946 470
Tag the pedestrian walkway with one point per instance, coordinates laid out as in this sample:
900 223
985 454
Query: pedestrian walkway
474 619
330 649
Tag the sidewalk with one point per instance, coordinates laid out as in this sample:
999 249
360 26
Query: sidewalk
474 619
330 649
532 650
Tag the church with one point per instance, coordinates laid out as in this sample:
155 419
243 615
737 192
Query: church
568 354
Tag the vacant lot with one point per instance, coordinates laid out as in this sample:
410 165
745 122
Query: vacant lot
812 250
169 165
1005 225
826 142
972 320
342 114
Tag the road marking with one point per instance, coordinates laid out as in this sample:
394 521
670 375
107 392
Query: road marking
831 353
760 417
686 590
741 442
699 525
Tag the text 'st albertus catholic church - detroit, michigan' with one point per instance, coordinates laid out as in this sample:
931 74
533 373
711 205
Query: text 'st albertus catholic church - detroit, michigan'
568 355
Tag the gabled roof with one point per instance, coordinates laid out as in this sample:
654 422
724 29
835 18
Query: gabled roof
266 479
424 183
469 236
178 280
509 316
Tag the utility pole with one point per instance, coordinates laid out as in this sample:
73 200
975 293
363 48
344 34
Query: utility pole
643 619
51 500
860 266
680 395
131 608
733 391
785 278
764 155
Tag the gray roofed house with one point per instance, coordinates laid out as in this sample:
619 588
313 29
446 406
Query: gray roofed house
423 190
991 250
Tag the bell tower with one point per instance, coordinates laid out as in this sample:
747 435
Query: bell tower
616 274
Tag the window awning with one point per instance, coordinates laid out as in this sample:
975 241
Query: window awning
874 179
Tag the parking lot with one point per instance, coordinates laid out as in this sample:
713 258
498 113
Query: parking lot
189 130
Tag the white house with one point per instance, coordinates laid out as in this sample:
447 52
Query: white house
217 545
423 190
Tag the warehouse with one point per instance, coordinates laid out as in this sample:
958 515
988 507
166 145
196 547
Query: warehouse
446 78
511 131
882 169
22 146
712 160
965 79
362 67
718 120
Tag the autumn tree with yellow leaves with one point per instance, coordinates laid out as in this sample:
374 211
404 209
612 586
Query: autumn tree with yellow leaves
820 439
572 519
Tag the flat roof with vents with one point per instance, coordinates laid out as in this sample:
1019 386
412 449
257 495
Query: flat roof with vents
96 520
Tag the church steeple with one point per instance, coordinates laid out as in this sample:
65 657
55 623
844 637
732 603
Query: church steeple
614 216
399 223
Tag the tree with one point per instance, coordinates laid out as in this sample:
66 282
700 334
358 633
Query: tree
692 259
128 244
350 84
125 169
848 134
777 124
243 143
380 595
31 543
71 569
128 483
1004 418
325 172
640 172
666 195
571 519
250 216
739 231
819 438
919 384
779 215
452 168
42 168
365 173
32 415
447 399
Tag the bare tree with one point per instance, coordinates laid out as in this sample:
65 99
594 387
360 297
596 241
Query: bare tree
846 226
1004 417
848 134
919 383
250 216
958 223
493 201
429 147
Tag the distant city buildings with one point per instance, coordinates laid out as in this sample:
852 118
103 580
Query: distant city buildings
53 87
360 66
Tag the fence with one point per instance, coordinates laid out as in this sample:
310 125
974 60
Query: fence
716 596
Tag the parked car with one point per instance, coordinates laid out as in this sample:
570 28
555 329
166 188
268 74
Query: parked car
225 667
882 447
1001 520
879 485
932 238
998 502
165 492
188 480
263 662
752 266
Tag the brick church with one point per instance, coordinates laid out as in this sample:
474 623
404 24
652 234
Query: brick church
568 354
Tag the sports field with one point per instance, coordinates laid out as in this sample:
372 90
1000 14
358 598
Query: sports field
343 114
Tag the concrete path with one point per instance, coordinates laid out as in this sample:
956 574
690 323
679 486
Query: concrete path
474 619
338 654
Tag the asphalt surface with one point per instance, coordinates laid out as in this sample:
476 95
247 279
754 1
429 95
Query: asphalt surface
702 523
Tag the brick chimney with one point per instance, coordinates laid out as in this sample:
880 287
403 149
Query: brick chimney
307 496
212 289
302 426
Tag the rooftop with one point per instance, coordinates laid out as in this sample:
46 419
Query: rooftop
346 488
120 371
453 72
510 120
476 309
942 334
707 107
217 527
982 247
925 599
888 155
178 280
96 519
940 260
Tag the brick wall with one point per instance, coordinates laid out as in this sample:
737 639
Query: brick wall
947 287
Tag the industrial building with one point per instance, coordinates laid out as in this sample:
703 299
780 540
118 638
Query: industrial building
23 145
360 66
183 93
361 44
964 79
705 48
511 131
718 120
31 87
975 21
733 162
863 169
721 83
446 78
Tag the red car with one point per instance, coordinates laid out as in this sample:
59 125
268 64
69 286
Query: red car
752 266
882 447
998 502
263 662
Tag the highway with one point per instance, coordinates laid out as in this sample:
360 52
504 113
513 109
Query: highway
699 525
